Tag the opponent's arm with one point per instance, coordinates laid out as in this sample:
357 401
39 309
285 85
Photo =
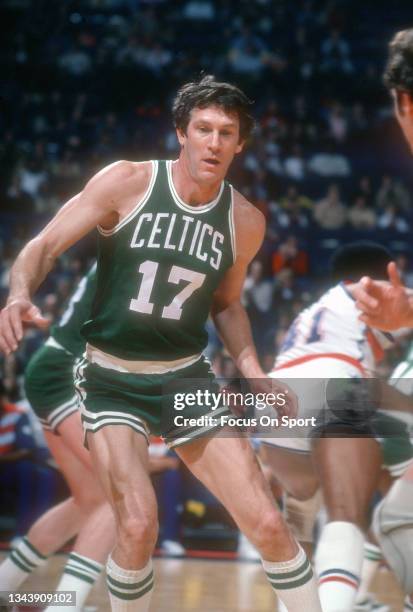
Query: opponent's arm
99 202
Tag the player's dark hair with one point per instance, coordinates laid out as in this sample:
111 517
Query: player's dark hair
398 73
209 92
357 259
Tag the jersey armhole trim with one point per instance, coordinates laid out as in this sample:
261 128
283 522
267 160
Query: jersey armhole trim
138 206
232 225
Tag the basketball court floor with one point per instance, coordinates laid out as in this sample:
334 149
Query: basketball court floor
200 585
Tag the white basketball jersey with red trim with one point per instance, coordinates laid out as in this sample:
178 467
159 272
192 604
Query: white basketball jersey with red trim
331 326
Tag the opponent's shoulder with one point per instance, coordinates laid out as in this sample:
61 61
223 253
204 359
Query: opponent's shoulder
249 224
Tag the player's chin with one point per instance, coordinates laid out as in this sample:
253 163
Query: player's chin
211 175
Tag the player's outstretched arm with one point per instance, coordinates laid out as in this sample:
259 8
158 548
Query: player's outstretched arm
387 305
230 317
100 202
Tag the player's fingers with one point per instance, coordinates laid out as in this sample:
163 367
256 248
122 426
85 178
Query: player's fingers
16 323
35 317
363 294
394 275
4 348
7 332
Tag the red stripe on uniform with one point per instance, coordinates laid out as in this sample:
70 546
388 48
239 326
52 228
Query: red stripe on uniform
338 579
339 356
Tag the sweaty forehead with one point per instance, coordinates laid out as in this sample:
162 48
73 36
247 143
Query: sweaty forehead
215 114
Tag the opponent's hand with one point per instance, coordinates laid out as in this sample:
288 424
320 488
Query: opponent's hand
266 385
12 317
387 305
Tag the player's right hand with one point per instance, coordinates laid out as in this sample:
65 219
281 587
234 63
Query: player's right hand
12 317
386 305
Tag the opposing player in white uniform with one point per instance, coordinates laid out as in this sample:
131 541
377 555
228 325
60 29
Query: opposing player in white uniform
328 342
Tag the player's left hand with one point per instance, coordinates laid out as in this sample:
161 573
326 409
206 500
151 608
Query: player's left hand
288 401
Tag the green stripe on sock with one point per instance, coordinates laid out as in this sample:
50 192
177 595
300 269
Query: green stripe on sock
292 574
72 572
24 559
130 586
33 549
95 567
19 563
130 596
372 556
294 584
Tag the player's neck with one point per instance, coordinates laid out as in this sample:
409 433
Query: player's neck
188 189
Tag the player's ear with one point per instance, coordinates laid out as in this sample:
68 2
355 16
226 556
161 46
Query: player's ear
403 102
181 136
240 146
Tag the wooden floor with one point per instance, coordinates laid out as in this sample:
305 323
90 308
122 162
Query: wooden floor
204 586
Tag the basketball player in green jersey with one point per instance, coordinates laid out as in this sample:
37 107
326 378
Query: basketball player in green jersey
175 241
50 390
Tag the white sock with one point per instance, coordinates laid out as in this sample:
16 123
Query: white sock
80 574
281 606
22 560
371 560
294 583
338 560
408 603
129 590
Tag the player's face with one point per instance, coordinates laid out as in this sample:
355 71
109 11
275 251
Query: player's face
403 109
210 143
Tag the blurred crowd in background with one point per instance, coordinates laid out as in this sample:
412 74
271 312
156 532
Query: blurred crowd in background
86 82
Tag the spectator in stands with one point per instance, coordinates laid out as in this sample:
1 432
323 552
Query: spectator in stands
330 213
392 219
360 216
392 193
289 256
337 123
328 162
335 54
295 165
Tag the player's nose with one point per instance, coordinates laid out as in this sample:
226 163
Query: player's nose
214 142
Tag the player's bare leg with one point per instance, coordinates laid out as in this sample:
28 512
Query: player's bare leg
228 467
120 457
349 470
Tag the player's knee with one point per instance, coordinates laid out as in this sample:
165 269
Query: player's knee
303 489
139 529
270 527
89 497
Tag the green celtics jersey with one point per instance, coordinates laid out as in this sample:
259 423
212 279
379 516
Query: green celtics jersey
67 330
157 273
